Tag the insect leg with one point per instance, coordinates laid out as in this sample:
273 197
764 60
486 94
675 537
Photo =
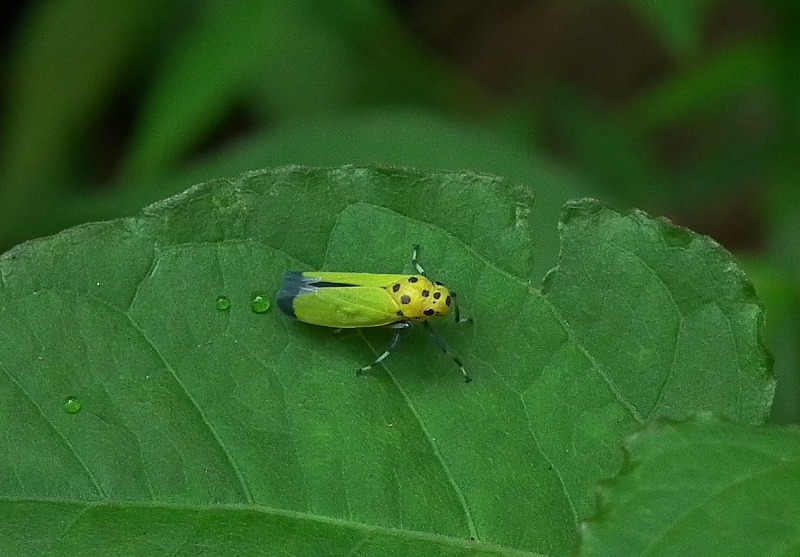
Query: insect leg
395 339
415 261
457 310
443 347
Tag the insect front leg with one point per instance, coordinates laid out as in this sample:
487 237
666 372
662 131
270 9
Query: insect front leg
443 347
415 261
402 326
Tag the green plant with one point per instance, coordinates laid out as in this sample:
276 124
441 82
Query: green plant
208 428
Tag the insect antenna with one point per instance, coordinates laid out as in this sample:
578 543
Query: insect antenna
457 311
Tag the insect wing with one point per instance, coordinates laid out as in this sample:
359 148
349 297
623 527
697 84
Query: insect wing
346 307
294 284
337 299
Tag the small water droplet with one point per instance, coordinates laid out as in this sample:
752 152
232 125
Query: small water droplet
259 302
223 303
72 405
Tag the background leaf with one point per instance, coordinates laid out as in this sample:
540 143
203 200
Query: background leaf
679 22
64 82
197 424
204 76
702 487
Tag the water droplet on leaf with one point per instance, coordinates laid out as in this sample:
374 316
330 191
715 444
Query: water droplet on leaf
223 303
259 302
72 405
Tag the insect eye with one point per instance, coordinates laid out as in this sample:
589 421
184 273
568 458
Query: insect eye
405 299
447 300
429 312
437 295
412 279
426 293
396 287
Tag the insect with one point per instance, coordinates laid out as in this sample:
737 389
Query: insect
353 300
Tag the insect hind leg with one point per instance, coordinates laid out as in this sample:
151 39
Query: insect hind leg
443 347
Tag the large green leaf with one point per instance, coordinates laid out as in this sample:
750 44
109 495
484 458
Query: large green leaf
703 487
232 432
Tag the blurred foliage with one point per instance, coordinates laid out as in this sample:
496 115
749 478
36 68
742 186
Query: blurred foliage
109 106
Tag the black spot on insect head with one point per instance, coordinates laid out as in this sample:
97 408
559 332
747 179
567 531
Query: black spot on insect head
448 300
438 283
412 280
396 287
400 313
426 293
429 312
405 299
437 295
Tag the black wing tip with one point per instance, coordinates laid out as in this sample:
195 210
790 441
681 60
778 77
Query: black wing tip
292 284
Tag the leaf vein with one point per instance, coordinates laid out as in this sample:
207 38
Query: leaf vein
58 432
239 476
